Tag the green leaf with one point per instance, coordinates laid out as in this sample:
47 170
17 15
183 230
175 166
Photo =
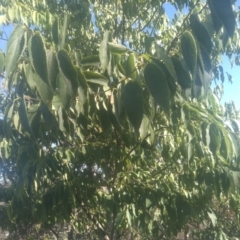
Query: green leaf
23 116
129 217
38 56
117 48
131 68
15 47
217 24
158 86
166 60
213 218
133 103
49 118
55 31
68 69
213 138
235 143
8 114
45 92
81 79
65 91
223 10
183 76
90 60
63 31
29 76
201 32
52 67
104 54
33 113
95 77
119 219
144 128
189 51
104 118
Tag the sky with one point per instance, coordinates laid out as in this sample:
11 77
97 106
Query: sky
231 91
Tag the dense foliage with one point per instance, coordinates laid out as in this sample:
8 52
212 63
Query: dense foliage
112 125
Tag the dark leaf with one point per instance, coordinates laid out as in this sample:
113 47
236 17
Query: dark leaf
189 51
158 86
201 33
224 12
133 103
183 76
38 56
52 67
23 116
68 69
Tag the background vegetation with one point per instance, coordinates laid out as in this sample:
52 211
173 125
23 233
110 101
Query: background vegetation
112 125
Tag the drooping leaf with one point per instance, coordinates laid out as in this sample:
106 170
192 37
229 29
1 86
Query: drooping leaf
144 128
38 56
29 74
133 103
90 60
115 48
189 51
183 76
55 32
172 84
205 58
223 10
235 143
48 117
213 218
67 69
15 48
81 79
8 114
104 54
104 118
65 91
131 70
34 118
52 67
217 23
129 217
45 92
213 138
63 31
158 86
166 60
201 32
22 111
95 77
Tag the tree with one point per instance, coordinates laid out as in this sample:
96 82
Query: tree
111 128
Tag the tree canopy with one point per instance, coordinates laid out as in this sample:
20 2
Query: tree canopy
112 125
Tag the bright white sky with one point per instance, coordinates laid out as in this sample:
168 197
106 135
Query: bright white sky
231 91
